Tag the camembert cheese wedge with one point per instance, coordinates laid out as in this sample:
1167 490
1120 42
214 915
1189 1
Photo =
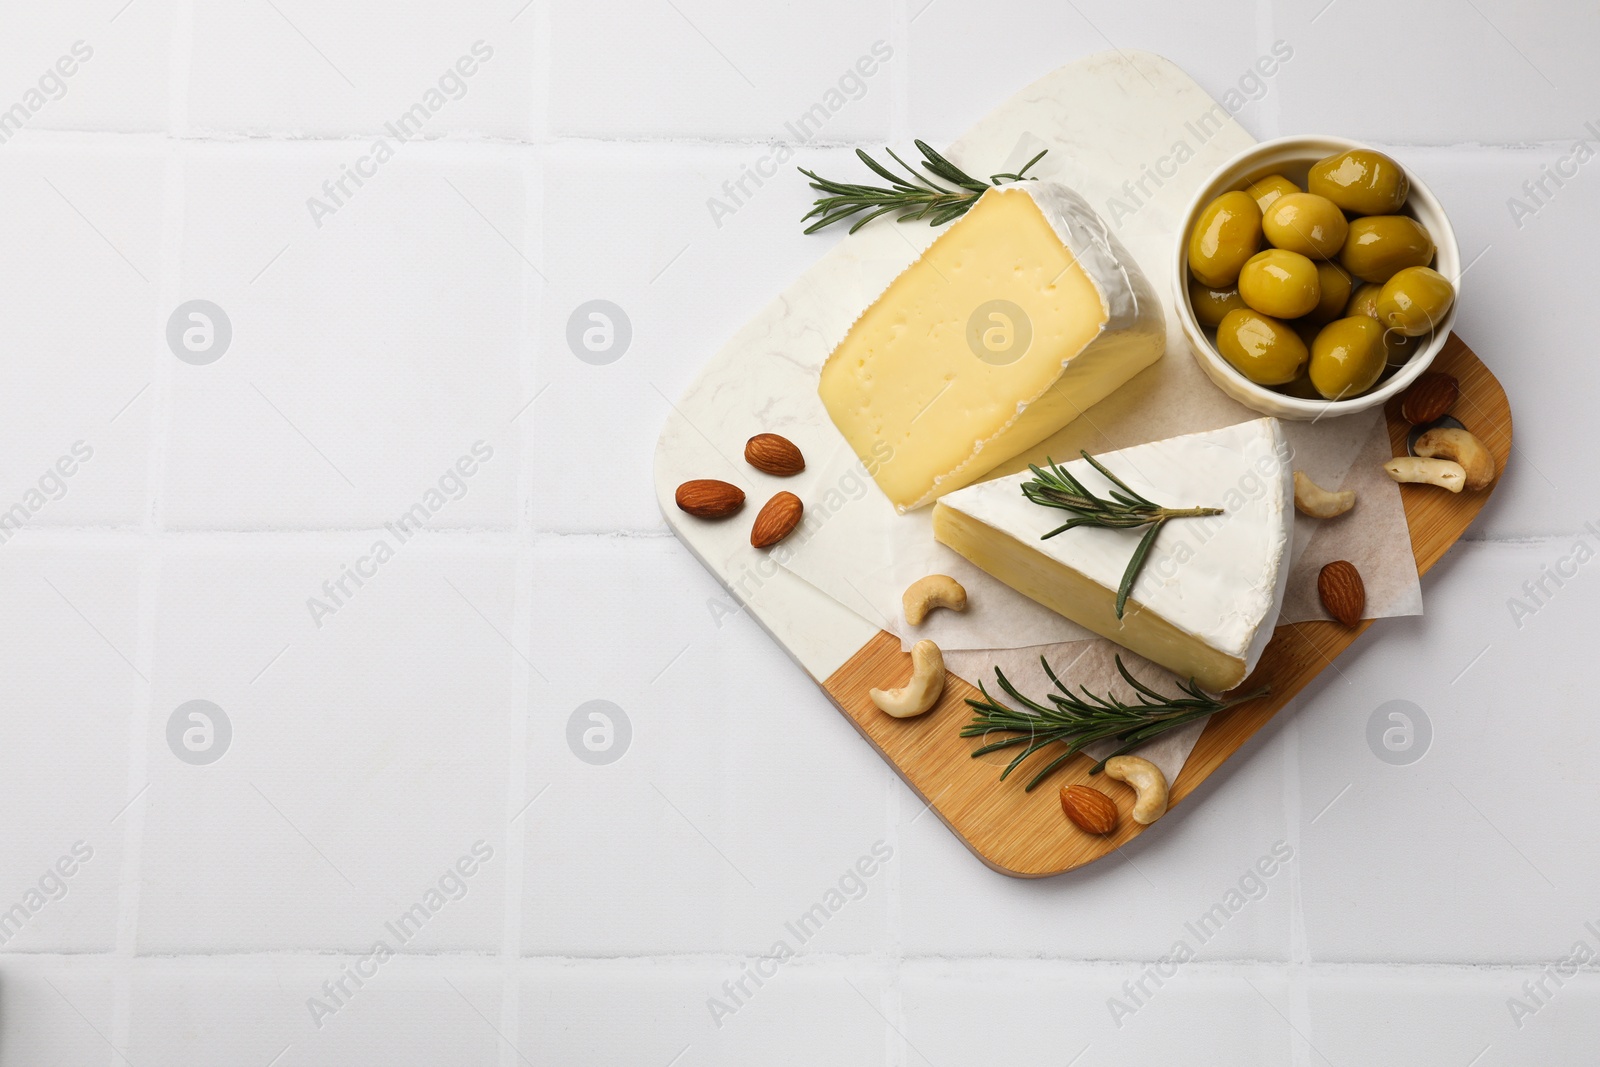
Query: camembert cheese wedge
1205 603
1019 316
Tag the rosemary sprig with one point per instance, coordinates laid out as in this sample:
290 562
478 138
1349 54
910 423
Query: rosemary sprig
1126 510
1078 721
915 199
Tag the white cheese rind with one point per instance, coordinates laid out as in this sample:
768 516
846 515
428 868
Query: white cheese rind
1129 298
1219 579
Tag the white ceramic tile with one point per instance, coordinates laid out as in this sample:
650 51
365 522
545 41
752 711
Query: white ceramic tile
650 1013
368 355
305 69
406 1012
80 65
75 681
83 326
1193 878
1494 75
1376 1016
1542 492
967 57
56 1013
717 69
369 754
366 759
742 798
1404 860
1000 1012
688 262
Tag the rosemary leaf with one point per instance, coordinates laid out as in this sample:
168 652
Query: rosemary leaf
1078 719
915 197
1137 562
1125 510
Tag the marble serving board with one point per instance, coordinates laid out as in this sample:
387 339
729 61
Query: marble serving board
1106 121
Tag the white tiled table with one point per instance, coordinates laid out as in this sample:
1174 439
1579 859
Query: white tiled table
611 908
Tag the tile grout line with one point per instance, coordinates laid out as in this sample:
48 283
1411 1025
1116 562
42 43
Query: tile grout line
178 71
102 964
1299 955
1270 112
77 136
520 720
900 72
131 879
129 897
894 925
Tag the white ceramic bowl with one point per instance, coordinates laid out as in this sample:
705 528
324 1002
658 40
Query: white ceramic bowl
1292 157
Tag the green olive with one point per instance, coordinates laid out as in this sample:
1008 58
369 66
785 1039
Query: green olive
1211 304
1334 283
1379 246
1301 388
1265 190
1361 181
1262 349
1227 233
1364 301
1414 301
1279 283
1305 223
1347 357
1398 348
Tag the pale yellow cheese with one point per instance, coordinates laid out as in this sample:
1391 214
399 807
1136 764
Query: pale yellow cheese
1086 602
933 386
1206 600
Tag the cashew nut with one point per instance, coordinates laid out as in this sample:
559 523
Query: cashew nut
1441 472
1447 442
922 691
1149 785
1311 499
934 591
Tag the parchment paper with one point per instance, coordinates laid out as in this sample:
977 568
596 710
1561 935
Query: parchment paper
858 549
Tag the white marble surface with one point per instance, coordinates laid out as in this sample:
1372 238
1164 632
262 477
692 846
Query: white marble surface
430 711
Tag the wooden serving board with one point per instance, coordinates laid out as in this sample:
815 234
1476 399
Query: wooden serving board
1025 834
764 379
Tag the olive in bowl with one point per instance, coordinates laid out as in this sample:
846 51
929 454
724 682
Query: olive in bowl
1210 305
1333 285
1361 181
1264 191
1347 357
1223 238
1380 246
1261 348
1249 353
1414 300
1306 223
1280 283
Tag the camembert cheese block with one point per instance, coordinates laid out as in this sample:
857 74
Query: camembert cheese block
1019 316
1205 603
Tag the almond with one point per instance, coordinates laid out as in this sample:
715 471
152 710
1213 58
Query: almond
777 519
1342 591
1089 809
773 454
709 498
1430 397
